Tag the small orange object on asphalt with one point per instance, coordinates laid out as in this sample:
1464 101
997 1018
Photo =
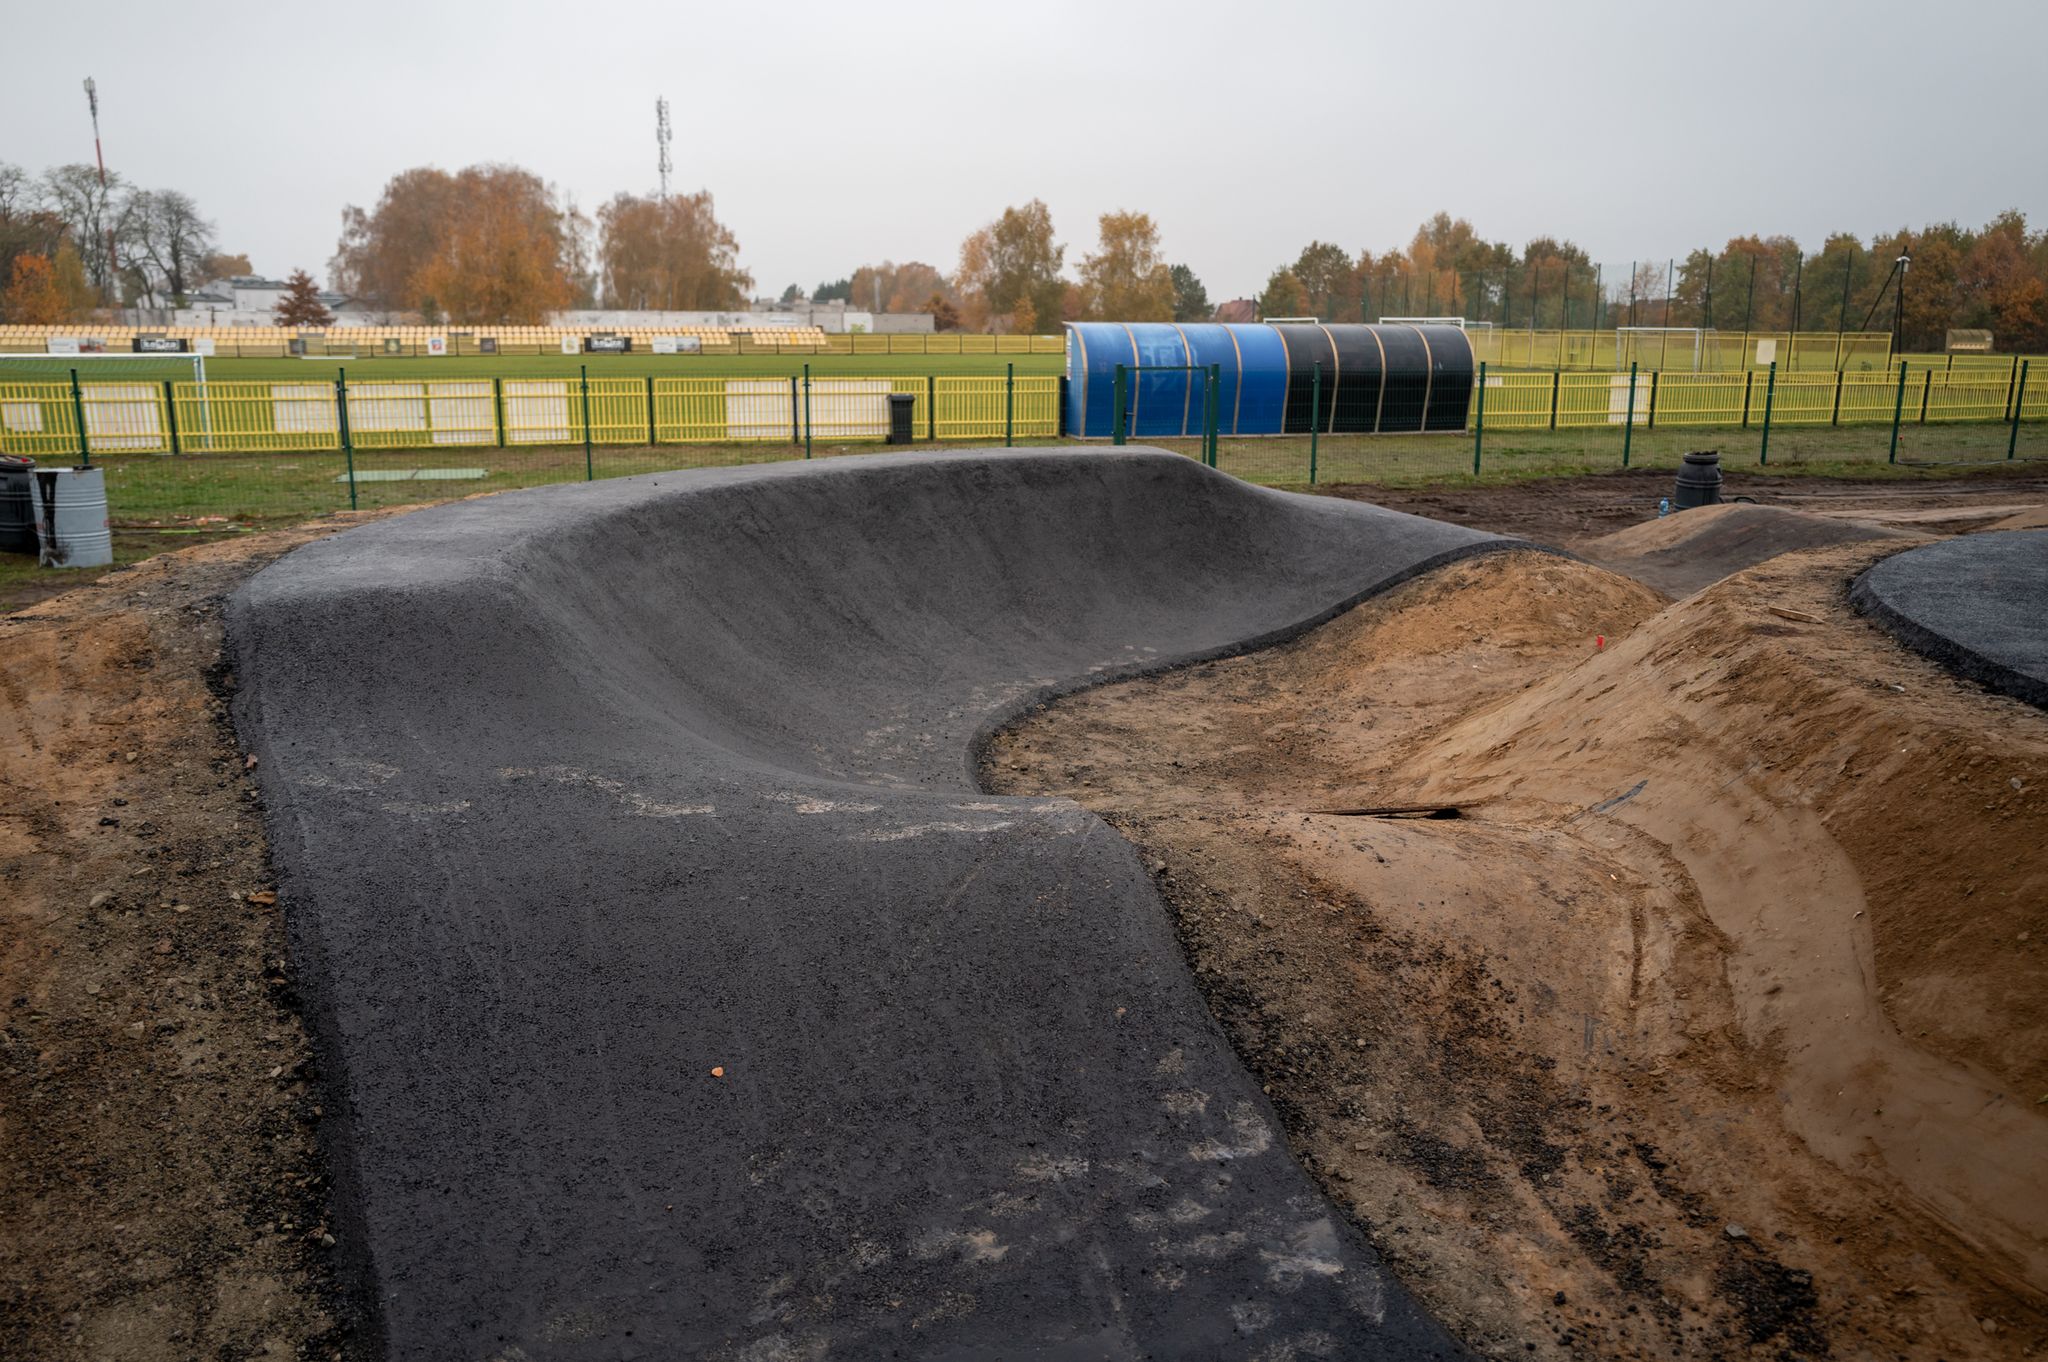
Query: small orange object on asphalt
718 1072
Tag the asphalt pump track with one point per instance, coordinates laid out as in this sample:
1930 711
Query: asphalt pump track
675 988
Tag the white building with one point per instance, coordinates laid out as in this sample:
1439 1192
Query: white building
248 300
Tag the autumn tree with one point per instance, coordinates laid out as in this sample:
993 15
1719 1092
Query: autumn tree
301 305
33 297
80 297
1010 270
890 287
945 317
1124 279
219 265
488 244
164 242
27 227
668 254
1326 280
1284 296
87 208
1190 299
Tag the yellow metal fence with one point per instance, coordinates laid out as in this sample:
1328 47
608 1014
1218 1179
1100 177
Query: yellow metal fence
1683 351
262 342
1565 400
41 419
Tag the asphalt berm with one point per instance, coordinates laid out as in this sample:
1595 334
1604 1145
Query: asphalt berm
1708 1026
1975 604
679 990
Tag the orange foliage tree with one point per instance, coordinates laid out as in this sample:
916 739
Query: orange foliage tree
1124 279
33 297
487 244
669 254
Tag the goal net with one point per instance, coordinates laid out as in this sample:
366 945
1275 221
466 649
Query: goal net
100 368
124 401
1458 322
1660 347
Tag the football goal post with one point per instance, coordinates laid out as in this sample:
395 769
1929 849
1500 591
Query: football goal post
1660 347
66 404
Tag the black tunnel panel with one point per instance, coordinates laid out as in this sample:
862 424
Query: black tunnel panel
1355 407
1307 346
1407 387
1450 387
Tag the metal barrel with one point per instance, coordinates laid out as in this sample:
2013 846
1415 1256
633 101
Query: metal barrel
71 517
1699 480
17 503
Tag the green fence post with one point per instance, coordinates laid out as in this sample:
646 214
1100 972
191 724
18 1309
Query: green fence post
796 410
1118 388
1556 382
78 410
807 411
650 411
1315 418
1926 391
931 406
1009 405
1835 418
1650 422
1215 412
348 446
1763 455
2019 399
171 414
1479 419
589 463
1898 410
1748 391
1628 422
498 408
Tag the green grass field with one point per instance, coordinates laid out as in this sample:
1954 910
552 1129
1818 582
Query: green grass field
628 366
159 503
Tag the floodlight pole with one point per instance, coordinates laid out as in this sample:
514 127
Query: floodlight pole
92 100
1904 263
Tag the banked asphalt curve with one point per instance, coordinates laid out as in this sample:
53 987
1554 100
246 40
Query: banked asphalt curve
1977 604
675 990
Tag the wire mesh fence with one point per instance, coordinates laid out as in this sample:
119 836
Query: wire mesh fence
179 452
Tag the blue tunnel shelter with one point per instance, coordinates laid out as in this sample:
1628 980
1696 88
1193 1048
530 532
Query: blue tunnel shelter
1275 379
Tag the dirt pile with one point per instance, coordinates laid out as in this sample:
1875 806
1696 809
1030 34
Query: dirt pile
1710 1024
1689 551
162 1196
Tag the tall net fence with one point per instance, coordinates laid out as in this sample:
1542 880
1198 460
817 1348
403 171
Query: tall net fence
178 452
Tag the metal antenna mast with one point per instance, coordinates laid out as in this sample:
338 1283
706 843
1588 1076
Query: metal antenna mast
662 136
92 99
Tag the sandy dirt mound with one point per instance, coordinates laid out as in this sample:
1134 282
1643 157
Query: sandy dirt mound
2033 519
1689 551
1710 1026
161 1197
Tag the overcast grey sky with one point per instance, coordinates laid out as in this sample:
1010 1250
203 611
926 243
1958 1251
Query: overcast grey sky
839 134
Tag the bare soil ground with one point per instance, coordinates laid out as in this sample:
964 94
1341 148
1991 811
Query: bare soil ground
160 1190
1711 1026
1479 1083
1567 511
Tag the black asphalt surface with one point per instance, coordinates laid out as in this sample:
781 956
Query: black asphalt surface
580 796
1977 604
1733 538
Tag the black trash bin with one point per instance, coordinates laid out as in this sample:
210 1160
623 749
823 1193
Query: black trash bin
1699 480
902 417
17 505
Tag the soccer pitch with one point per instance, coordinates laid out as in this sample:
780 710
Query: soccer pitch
371 367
